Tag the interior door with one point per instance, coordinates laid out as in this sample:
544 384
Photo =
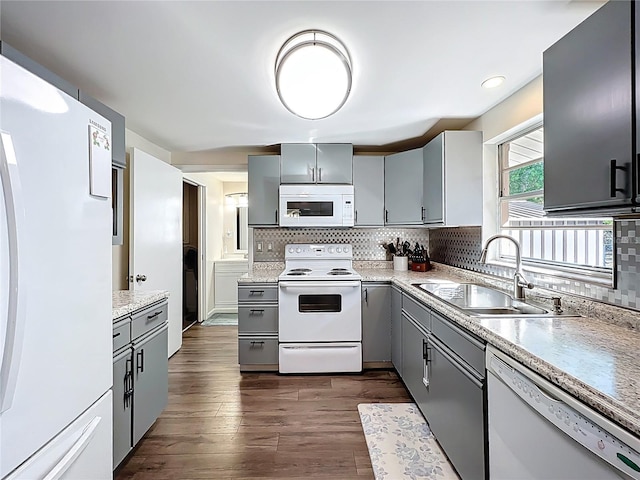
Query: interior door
155 253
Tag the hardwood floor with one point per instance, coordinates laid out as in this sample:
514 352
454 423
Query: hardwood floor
223 424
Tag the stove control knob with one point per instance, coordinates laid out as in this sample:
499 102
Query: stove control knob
331 249
298 250
338 250
345 249
290 249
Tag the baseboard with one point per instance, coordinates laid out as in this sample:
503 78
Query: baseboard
223 310
374 365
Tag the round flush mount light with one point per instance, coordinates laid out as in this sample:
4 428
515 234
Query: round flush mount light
313 74
493 82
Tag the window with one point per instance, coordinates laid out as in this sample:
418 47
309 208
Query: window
576 244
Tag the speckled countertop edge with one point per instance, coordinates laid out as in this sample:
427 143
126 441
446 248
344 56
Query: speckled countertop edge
626 413
125 302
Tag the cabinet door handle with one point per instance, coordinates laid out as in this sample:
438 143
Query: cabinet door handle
276 216
154 315
140 361
116 334
319 174
386 216
356 216
128 382
256 312
613 179
254 343
256 292
313 174
422 212
366 295
425 351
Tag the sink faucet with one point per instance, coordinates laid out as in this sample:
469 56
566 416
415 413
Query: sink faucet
519 281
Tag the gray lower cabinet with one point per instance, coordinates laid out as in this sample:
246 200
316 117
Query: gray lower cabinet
122 405
368 187
455 410
258 327
403 188
140 376
414 354
396 329
376 322
263 185
150 391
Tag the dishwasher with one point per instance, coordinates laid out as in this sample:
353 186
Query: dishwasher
538 431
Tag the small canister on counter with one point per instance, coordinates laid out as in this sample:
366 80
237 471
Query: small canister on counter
400 262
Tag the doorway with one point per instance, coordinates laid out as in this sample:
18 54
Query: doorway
191 254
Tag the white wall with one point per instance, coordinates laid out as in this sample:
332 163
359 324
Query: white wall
519 110
215 222
120 253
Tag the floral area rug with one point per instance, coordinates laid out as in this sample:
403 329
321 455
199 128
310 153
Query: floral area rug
400 444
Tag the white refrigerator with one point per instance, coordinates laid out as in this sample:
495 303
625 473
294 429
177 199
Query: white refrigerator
55 283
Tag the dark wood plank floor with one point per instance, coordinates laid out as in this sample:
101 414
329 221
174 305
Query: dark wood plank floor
221 424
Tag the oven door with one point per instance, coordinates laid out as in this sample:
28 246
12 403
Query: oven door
319 311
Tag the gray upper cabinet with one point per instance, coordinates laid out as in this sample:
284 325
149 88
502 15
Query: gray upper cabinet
25 62
368 186
590 162
264 180
334 163
452 179
376 322
403 188
118 153
316 163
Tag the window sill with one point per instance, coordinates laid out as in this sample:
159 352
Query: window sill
595 278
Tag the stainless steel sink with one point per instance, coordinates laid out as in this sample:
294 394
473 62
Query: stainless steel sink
479 301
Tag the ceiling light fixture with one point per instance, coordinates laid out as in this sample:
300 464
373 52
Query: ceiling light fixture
313 74
493 82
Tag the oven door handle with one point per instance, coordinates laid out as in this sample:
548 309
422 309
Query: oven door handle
322 284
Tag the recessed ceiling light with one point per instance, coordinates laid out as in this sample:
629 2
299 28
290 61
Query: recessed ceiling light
493 82
313 74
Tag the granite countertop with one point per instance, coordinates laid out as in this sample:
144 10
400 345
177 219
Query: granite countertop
125 302
593 360
596 361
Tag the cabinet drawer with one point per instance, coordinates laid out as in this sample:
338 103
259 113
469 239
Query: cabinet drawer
418 312
148 319
258 351
463 343
258 319
121 334
257 293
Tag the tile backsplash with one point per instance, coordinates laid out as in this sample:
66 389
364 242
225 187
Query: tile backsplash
366 242
460 247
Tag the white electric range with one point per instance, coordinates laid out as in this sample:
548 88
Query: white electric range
320 314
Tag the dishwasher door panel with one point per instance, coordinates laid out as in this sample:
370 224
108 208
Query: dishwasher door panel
524 445
455 412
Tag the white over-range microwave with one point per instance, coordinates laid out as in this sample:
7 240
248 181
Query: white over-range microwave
316 205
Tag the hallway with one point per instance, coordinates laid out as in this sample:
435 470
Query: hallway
221 424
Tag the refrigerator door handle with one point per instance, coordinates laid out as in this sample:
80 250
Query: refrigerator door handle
14 326
74 452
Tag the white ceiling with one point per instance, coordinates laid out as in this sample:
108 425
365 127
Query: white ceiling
193 76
